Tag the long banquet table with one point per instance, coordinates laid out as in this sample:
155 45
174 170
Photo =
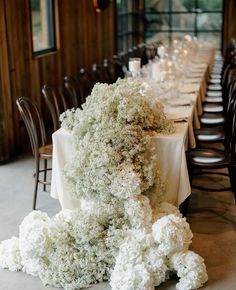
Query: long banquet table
170 149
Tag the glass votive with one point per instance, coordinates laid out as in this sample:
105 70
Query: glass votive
187 38
176 51
134 65
169 64
175 43
156 71
161 51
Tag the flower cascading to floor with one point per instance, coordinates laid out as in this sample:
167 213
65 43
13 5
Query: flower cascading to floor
123 232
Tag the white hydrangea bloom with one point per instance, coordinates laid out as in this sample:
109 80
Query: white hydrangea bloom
34 241
172 234
10 254
130 271
156 265
130 277
190 268
138 252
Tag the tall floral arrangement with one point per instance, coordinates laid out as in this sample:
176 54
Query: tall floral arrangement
116 234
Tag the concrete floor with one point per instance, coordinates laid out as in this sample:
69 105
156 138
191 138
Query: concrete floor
212 217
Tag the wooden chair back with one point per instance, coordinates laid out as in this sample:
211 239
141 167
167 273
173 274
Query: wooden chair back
86 83
33 122
73 94
41 150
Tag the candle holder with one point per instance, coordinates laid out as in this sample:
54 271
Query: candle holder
134 66
161 51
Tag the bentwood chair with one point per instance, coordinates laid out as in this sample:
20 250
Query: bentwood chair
215 99
86 83
109 71
214 162
41 150
211 118
97 73
55 99
73 94
211 135
143 54
119 69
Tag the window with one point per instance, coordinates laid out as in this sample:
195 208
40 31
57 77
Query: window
42 20
170 19
127 24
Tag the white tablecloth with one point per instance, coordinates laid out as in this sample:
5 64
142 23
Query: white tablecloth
171 162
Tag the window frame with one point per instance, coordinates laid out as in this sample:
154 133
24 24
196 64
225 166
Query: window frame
53 30
129 36
171 30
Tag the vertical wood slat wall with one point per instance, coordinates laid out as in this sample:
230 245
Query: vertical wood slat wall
6 116
84 37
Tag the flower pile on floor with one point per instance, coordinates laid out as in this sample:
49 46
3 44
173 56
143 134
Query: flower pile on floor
123 231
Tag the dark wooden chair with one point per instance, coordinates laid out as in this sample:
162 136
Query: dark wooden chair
131 53
97 73
55 100
207 161
151 51
135 51
124 57
86 83
211 118
41 150
206 135
72 92
109 71
119 69
216 92
143 53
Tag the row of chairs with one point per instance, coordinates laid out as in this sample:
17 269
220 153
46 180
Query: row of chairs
76 88
80 86
218 125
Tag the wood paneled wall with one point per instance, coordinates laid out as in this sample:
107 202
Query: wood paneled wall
84 37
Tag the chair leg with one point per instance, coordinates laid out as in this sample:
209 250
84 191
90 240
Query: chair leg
232 174
45 174
36 178
185 206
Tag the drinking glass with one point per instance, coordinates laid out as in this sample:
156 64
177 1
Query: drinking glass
134 65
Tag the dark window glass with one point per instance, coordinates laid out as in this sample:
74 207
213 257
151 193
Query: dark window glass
209 21
169 19
180 21
210 5
42 20
127 24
